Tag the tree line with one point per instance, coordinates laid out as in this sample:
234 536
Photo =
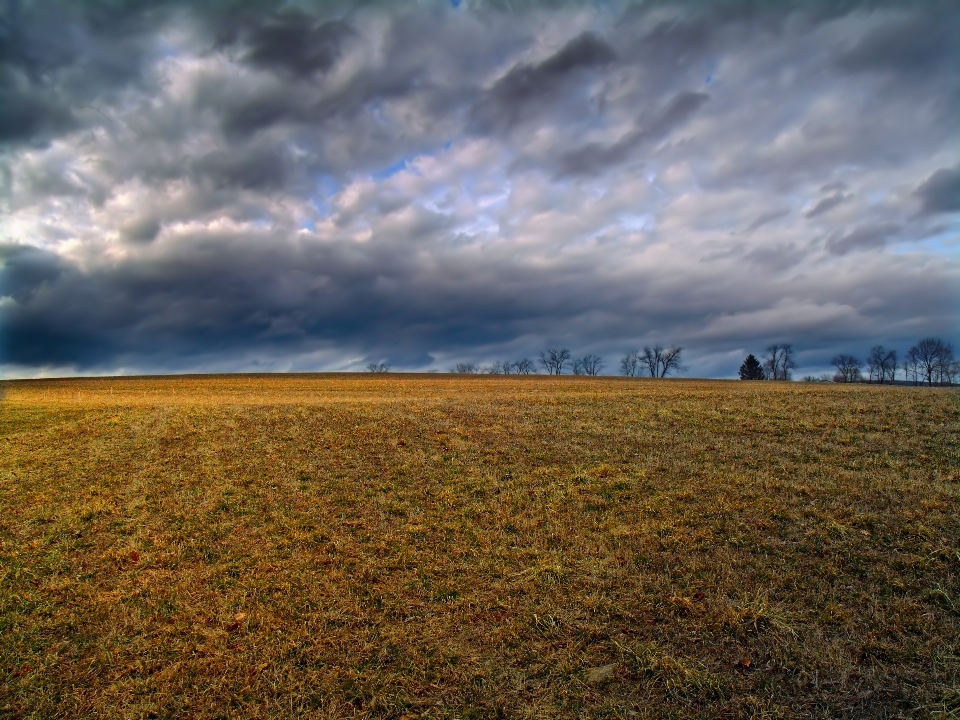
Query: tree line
554 361
931 362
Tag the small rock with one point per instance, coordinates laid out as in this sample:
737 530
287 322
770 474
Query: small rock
599 674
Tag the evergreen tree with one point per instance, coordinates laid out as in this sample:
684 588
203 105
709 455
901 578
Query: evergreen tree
752 370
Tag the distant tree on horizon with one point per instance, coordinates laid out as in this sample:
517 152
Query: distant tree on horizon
661 362
848 368
498 368
554 360
779 361
524 367
932 360
629 363
378 368
882 364
588 365
751 369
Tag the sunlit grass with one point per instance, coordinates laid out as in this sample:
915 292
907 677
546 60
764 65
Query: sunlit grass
330 546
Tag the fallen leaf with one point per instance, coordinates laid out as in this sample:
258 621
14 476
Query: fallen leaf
134 556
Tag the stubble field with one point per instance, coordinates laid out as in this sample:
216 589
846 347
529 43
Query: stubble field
443 546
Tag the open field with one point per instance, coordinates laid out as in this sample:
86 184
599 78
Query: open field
441 546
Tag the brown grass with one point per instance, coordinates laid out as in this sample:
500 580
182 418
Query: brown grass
407 546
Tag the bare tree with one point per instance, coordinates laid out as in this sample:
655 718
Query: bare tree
378 368
933 360
588 365
651 358
875 369
779 361
911 365
554 360
661 362
628 363
882 364
953 372
848 368
524 367
889 366
467 368
498 368
670 361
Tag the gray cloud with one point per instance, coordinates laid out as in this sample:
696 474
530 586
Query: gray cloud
293 41
904 43
594 157
941 191
251 187
827 204
765 218
141 229
522 92
867 237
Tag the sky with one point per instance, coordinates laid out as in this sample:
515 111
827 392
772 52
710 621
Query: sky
316 186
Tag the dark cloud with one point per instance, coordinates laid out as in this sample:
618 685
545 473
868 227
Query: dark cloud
765 218
520 94
941 191
295 42
913 43
26 270
253 167
141 229
57 57
867 237
827 204
28 111
776 258
594 157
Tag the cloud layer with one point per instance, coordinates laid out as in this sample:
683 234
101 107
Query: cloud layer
242 187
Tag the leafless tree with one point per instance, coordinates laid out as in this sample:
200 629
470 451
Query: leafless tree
554 360
882 364
661 362
670 361
875 369
953 372
629 363
498 368
651 358
848 368
910 365
524 367
378 368
889 366
933 360
588 365
466 368
779 361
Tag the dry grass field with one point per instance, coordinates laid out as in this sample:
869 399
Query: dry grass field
472 547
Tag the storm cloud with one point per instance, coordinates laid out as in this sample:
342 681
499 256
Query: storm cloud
254 187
